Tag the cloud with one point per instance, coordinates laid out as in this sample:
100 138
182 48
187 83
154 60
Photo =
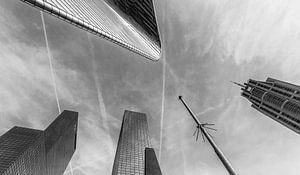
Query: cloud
210 43
207 43
28 97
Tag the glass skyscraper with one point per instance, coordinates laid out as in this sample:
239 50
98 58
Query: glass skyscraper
132 144
22 151
142 12
130 24
277 99
25 151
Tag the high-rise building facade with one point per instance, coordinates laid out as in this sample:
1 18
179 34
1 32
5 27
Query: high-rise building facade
132 144
22 151
277 99
60 142
25 151
151 163
130 24
142 12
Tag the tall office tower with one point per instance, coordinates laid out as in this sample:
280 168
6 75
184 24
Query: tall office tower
25 151
130 24
22 151
60 142
142 12
131 153
277 99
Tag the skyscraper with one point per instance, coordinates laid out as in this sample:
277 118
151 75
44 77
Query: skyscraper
130 24
60 142
132 144
277 99
142 12
25 151
22 152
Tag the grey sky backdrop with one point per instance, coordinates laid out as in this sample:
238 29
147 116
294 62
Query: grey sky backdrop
206 43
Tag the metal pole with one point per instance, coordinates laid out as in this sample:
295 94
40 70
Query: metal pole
217 150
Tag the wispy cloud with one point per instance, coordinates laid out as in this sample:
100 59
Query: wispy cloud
28 98
207 43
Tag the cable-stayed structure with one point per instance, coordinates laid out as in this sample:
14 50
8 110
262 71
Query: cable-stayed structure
130 24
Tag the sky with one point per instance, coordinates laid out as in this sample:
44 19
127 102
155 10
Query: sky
205 45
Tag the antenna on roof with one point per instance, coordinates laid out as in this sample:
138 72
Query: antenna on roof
198 130
202 128
239 84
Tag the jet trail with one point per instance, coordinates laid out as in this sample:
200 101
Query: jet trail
50 62
102 107
52 73
162 106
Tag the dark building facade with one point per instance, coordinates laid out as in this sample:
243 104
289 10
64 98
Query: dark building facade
142 11
132 144
22 152
277 99
151 163
60 142
25 151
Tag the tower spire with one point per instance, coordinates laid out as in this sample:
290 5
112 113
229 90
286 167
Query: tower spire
239 84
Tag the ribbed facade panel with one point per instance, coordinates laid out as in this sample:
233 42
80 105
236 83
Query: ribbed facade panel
142 12
130 25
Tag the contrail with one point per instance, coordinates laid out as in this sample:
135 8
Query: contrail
70 167
52 73
98 86
83 165
173 74
164 67
183 157
50 62
162 105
